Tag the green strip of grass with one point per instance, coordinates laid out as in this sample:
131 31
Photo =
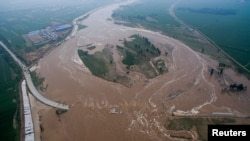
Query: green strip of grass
200 124
96 65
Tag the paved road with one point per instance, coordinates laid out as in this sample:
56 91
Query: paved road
30 84
28 122
43 99
13 55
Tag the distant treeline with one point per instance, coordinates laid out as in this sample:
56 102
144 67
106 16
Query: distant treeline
4 40
212 11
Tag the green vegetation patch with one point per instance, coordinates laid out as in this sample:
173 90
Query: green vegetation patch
38 80
91 47
200 124
129 58
10 77
60 111
101 64
160 66
95 63
81 26
138 53
142 46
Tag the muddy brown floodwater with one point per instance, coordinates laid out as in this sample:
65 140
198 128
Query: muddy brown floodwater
140 111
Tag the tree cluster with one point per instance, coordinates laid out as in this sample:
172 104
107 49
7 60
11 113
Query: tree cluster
234 88
239 87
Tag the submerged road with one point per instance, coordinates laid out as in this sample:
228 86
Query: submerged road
30 84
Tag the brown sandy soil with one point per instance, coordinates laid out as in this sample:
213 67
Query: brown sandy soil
187 89
35 55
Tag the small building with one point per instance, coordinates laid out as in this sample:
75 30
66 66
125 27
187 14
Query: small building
62 27
34 32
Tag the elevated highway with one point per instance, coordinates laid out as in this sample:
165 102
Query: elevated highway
30 84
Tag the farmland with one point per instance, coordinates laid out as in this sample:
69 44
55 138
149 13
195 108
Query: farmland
15 24
20 21
9 100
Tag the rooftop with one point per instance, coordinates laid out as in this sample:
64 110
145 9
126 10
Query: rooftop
62 27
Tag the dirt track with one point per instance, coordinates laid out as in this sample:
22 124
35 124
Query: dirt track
187 89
